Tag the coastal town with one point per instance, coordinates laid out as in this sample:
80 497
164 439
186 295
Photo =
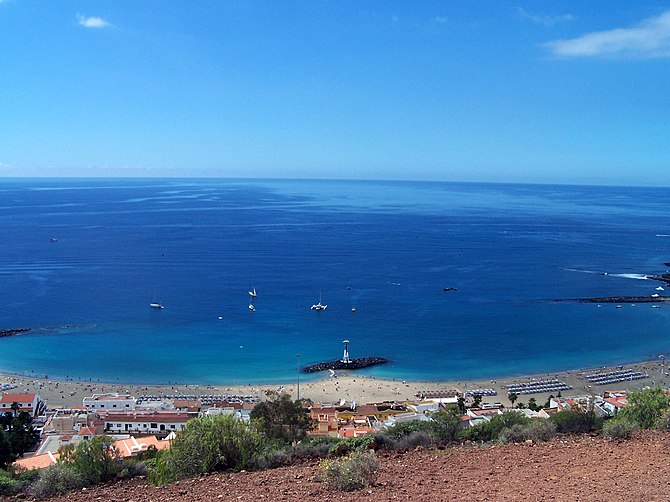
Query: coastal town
148 418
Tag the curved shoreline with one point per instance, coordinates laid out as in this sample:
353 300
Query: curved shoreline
345 385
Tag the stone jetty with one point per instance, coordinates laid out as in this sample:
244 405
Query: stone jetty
11 332
619 299
352 364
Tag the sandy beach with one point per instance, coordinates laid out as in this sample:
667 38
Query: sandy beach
350 387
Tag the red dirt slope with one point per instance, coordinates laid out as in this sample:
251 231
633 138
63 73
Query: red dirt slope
568 469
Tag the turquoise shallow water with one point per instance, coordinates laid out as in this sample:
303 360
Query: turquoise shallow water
387 248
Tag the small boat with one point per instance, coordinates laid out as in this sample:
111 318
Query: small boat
660 289
252 295
319 306
618 306
655 306
353 309
155 304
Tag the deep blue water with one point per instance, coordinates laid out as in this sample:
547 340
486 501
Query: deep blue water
387 248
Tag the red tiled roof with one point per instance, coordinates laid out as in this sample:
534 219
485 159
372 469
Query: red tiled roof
37 461
17 398
125 447
132 446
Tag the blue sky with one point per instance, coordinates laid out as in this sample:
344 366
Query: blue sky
549 92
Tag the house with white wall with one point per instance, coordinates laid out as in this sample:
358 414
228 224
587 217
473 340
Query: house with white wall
109 402
27 402
154 422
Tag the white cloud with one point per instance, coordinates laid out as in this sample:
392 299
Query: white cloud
545 20
648 39
91 22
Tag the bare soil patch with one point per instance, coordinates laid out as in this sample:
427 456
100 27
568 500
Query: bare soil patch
585 468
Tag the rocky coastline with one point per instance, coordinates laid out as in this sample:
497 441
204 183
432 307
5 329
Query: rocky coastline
352 364
625 299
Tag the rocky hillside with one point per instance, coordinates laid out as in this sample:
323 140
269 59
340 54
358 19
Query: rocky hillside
576 468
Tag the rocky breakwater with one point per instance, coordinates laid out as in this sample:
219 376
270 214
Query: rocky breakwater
618 299
353 364
11 332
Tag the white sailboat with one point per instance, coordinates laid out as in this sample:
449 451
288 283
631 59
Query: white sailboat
251 303
319 306
252 292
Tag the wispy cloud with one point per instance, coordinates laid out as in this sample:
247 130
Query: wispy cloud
91 22
544 19
440 19
648 39
3 166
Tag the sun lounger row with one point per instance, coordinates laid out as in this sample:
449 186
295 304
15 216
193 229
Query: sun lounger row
436 394
612 374
480 392
622 378
204 399
537 387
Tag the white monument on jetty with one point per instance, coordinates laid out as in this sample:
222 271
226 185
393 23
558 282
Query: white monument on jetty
345 358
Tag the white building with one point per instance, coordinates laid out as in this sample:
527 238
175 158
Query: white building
405 417
156 422
109 402
30 403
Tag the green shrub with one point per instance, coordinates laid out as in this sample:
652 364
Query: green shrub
271 459
56 480
25 476
537 430
402 429
133 469
95 460
150 464
280 418
311 449
8 484
208 444
445 425
354 472
663 422
619 428
381 441
490 430
645 407
479 432
351 444
415 439
574 420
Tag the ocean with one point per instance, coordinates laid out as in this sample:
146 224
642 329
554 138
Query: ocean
81 260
